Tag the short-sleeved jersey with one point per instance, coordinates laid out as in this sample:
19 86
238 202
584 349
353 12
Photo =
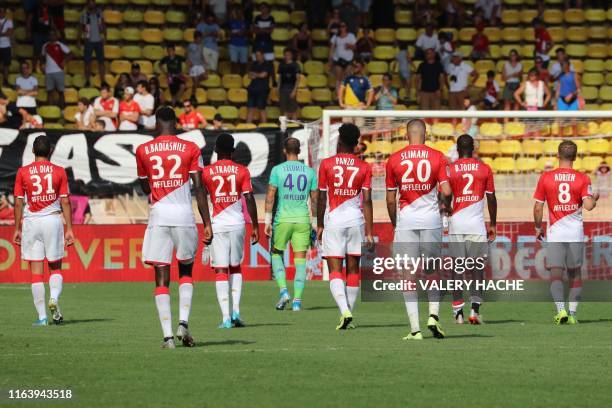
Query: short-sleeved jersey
167 162
191 120
41 184
563 189
415 171
293 181
356 88
470 180
343 176
226 182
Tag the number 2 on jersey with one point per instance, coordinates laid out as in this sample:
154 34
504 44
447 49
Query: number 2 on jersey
219 191
423 171
159 169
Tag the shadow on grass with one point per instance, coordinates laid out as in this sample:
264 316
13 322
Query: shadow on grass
264 324
78 321
376 326
594 321
321 308
223 343
460 336
502 321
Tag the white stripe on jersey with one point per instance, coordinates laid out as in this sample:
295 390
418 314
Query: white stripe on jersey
422 213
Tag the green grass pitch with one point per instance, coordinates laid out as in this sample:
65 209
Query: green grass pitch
108 353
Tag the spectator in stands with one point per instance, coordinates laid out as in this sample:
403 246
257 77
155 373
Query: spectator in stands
333 26
7 215
542 72
452 13
93 29
316 12
122 82
386 94
136 75
447 48
429 80
364 48
218 122
491 92
210 35
568 92
26 86
480 44
341 52
356 90
262 29
85 117
512 75
99 125
172 66
404 67
195 62
423 13
302 43
469 125
218 8
156 91
536 93
6 32
129 111
56 55
350 15
56 13
363 6
258 90
190 118
38 26
106 108
79 202
543 41
9 113
288 75
238 45
428 39
146 102
555 70
30 121
491 11
458 74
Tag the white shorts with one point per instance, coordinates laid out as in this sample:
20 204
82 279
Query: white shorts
43 238
161 241
468 245
564 254
339 242
196 71
428 242
227 248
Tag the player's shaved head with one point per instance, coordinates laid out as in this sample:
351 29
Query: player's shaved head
567 150
292 146
465 146
42 147
416 131
349 136
224 144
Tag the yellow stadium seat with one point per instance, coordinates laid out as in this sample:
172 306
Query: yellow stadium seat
443 146
483 66
131 52
591 163
281 35
504 165
532 147
442 129
597 51
512 34
557 34
71 33
113 17
576 34
133 16
10 94
281 17
72 15
510 147
594 65
230 81
188 34
71 95
208 112
576 50
50 112
76 67
594 79
553 16
173 35
598 32
120 66
228 112
320 52
527 15
491 129
213 81
246 126
200 95
547 163
514 129
311 112
510 17
175 17
598 146
129 34
384 147
574 16
384 52
320 35
526 164
89 93
589 93
406 34
595 15
112 51
154 17
162 2
605 93
609 14
70 112
139 2
321 95
314 67
303 96
316 81
216 94
403 17
297 17
378 67
151 35
153 52
488 147
466 34
237 95
384 35
551 146
605 128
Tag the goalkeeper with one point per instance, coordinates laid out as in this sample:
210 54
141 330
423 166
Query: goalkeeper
293 183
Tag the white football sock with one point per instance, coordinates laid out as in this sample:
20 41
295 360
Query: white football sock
434 301
336 285
55 286
556 290
236 285
411 300
38 295
574 298
162 301
222 287
185 296
352 292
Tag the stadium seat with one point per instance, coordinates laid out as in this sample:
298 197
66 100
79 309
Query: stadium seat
70 112
442 129
112 17
547 163
120 66
162 2
213 81
153 52
598 146
512 34
133 16
577 34
151 35
311 112
228 112
237 95
320 35
551 146
532 147
552 16
281 35
510 147
378 67
510 17
154 17
131 52
72 15
230 81
89 93
576 50
595 15
384 35
246 126
491 129
594 79
403 17
605 93
320 52
598 32
71 95
201 96
321 95
594 65
175 17
50 112
126 34
488 147
304 96
591 163
514 129
527 15
314 67
443 146
208 112
466 34
597 51
384 52
557 34
216 94
504 165
406 34
526 164
316 81
573 16
173 35
297 17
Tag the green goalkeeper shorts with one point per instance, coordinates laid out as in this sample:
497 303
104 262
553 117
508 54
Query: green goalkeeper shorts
298 234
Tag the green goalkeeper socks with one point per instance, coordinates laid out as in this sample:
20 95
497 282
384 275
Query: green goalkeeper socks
300 277
278 268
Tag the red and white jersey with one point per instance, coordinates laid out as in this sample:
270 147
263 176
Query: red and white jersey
109 105
167 162
470 180
416 171
131 106
55 53
41 184
191 120
226 182
563 189
343 176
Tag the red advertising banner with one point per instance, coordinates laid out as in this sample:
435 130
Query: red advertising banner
110 253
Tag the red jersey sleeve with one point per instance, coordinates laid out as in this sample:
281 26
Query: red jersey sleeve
322 177
587 189
540 193
18 190
490 186
245 184
389 176
443 170
367 180
63 189
196 160
140 169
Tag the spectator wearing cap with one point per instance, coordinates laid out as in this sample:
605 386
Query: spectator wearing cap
262 29
259 89
93 29
543 41
490 9
136 75
218 122
56 55
146 102
210 35
288 75
106 108
428 39
129 111
27 88
190 118
6 31
428 82
172 66
458 75
85 117
196 61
